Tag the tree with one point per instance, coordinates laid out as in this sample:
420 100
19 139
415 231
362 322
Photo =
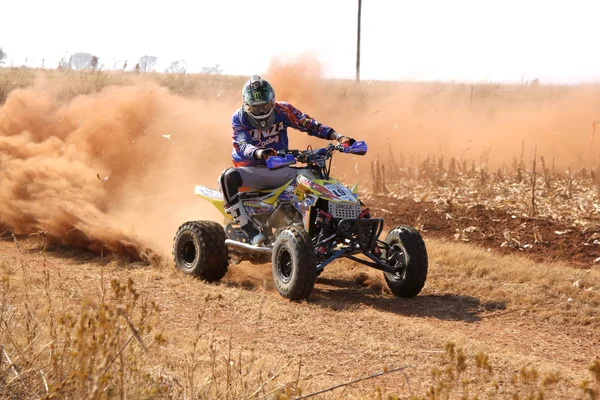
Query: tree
95 63
2 56
216 70
177 67
62 64
147 63
82 61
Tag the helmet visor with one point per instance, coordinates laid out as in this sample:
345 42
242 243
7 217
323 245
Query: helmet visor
261 110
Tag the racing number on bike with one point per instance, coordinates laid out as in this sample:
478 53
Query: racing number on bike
339 192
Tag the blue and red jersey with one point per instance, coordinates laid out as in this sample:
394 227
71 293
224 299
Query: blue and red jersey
247 139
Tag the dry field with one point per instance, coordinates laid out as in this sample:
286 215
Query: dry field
91 306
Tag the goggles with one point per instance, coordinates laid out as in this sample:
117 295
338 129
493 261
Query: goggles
258 111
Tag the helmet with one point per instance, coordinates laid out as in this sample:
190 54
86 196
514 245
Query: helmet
258 97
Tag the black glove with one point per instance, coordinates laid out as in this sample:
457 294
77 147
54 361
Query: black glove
263 154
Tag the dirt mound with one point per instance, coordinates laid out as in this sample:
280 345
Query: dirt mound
542 239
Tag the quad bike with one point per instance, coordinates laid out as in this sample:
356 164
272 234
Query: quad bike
309 222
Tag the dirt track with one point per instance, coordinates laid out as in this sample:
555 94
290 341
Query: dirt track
351 326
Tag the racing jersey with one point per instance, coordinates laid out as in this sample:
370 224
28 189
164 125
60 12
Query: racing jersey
247 139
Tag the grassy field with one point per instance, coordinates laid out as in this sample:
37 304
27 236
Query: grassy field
75 83
510 308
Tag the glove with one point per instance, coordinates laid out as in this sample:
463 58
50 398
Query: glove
263 154
345 140
342 139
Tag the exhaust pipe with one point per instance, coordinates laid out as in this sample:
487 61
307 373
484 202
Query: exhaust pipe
248 247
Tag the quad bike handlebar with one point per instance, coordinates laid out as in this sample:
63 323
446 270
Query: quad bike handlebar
314 157
357 147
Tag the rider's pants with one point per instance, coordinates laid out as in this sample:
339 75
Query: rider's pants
253 178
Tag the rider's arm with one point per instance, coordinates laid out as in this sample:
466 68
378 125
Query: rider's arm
242 140
298 120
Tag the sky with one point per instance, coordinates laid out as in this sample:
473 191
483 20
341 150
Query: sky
555 41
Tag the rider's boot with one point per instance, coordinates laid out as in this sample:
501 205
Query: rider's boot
239 214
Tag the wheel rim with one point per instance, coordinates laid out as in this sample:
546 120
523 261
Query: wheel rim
397 258
284 265
188 251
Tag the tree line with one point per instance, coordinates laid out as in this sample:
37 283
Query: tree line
146 63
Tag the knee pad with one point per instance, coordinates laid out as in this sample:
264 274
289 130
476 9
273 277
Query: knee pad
230 182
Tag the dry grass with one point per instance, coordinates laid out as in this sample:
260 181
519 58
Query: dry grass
567 196
77 326
94 334
72 82
553 293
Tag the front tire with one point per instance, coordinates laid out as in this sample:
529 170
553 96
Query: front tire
294 264
406 248
199 249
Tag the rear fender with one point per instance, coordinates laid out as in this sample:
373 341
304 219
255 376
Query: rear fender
213 197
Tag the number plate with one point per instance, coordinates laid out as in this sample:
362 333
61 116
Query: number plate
344 210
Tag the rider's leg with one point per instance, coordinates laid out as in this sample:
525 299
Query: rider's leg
255 178
259 178
230 182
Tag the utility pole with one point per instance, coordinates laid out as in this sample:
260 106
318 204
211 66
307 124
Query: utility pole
358 43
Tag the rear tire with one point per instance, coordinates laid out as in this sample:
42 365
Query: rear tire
199 249
406 246
294 264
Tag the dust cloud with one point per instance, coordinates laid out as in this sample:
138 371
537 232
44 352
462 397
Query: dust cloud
416 120
149 147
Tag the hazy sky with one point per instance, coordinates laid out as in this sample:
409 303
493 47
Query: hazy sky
555 41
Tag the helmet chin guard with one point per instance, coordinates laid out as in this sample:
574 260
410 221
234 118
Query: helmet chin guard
262 122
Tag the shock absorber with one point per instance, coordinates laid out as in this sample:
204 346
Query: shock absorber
323 224
366 214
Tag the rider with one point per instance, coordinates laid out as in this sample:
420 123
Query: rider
259 131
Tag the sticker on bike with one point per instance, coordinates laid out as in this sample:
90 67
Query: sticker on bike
341 192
